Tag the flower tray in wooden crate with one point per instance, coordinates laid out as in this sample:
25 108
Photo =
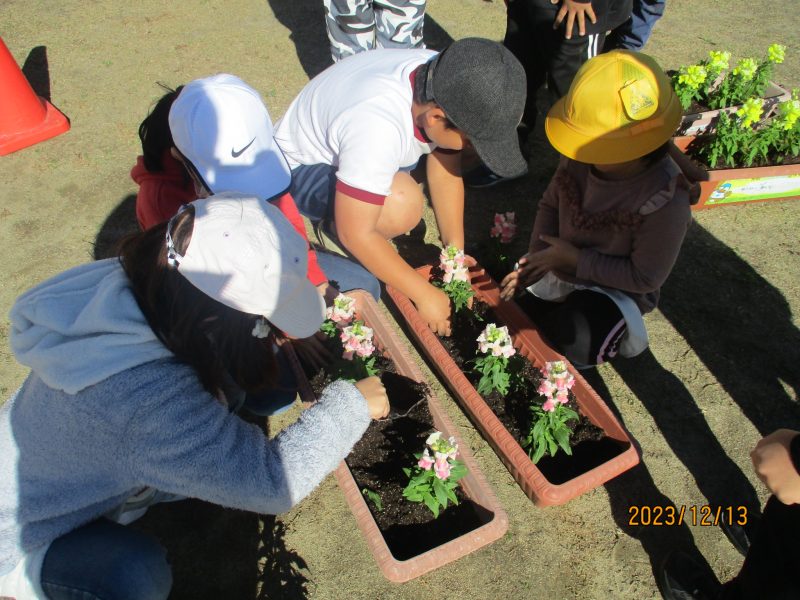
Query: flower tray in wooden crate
699 123
746 184
529 344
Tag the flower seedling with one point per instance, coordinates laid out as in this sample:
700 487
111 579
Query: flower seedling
501 235
373 497
436 474
747 79
498 366
549 429
357 359
742 139
455 277
713 83
339 315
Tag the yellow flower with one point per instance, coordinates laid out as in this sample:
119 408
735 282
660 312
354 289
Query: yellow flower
788 113
775 53
718 61
692 76
750 112
746 68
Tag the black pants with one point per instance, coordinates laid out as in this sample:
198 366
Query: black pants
544 52
771 567
586 328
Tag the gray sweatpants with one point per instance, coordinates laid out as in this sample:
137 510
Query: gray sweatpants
358 25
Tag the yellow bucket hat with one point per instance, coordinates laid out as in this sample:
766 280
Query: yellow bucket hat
620 107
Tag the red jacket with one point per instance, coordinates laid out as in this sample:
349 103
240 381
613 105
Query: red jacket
161 194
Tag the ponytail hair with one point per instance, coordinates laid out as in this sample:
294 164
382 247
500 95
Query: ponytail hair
154 131
209 336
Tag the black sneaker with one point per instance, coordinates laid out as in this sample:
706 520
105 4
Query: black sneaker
740 536
482 177
682 577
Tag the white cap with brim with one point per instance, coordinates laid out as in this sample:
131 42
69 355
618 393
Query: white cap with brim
245 254
223 128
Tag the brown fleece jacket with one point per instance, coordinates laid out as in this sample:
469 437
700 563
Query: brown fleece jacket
629 232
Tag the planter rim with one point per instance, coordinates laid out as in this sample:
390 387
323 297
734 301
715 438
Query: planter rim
717 177
474 484
528 340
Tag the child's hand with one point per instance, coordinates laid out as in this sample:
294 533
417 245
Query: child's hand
574 10
518 279
560 256
434 308
772 460
375 394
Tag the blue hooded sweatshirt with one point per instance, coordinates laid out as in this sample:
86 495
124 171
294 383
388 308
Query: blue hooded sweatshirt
108 410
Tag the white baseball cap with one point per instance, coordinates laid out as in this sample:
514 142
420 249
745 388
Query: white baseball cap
245 254
221 125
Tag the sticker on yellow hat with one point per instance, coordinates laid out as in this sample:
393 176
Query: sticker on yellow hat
639 98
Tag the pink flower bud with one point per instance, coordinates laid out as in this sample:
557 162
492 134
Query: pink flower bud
549 405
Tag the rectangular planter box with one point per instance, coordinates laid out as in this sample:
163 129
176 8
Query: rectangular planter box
474 485
739 186
530 345
704 122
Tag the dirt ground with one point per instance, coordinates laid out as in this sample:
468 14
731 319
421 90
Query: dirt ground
722 370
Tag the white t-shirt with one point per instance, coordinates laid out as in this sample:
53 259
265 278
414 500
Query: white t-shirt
356 116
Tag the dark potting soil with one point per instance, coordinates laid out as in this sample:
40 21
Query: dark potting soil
590 446
377 463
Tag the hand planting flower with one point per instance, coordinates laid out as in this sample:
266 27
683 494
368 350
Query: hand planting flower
505 227
455 277
549 429
496 368
453 264
436 474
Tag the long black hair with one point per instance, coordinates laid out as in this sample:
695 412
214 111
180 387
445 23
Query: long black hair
209 336
154 131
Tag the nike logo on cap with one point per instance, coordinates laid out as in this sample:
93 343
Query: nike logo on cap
236 154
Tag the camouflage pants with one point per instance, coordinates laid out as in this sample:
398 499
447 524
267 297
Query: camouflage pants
358 25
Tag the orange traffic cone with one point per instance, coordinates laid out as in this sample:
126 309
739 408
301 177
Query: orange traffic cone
25 118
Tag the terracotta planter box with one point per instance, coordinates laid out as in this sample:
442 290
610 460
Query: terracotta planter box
702 122
739 186
530 345
474 485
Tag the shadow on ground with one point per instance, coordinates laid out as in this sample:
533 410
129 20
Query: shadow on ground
305 20
121 222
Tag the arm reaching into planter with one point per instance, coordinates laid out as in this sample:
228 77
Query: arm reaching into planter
232 462
357 228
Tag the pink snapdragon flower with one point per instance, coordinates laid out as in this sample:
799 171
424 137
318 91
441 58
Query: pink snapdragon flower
357 340
442 468
425 461
496 341
452 261
342 311
444 450
505 227
555 385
